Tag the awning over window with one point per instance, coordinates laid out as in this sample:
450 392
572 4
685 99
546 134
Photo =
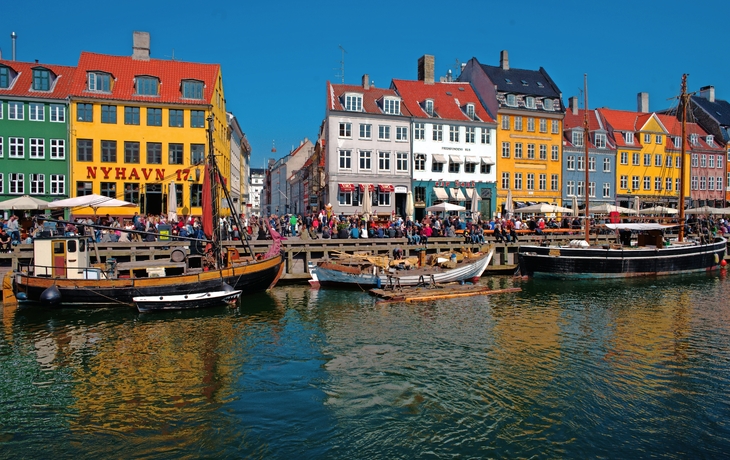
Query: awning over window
471 159
456 159
440 193
488 161
471 193
347 187
457 194
371 187
439 158
386 188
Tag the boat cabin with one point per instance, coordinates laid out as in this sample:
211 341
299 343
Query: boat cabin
63 257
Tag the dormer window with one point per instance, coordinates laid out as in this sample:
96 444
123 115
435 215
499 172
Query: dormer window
429 107
192 89
530 102
677 142
5 77
511 100
693 139
470 111
41 80
353 102
147 86
600 140
578 138
629 138
547 104
710 140
391 106
100 82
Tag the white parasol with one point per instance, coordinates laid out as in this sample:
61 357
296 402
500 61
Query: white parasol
542 208
172 202
24 202
659 210
410 208
91 201
445 207
367 202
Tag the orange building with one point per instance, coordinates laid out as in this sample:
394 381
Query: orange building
138 129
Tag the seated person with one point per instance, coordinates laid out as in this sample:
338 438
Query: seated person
5 241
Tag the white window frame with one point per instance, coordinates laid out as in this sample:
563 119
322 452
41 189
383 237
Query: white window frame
345 130
38 184
668 184
505 180
624 158
710 139
36 111
470 112
658 184
555 153
635 183
384 132
419 162
518 123
719 161
353 102
647 182
530 102
391 106
636 159
16 110
600 140
510 100
453 133
14 146
658 139
606 165
401 133
470 136
58 149
554 126
366 131
629 137
344 198
710 161
647 138
577 138
543 152
531 124
570 188
486 136
429 107
518 181
57 113
570 163
365 160
419 131
438 133
401 161
2 151
624 182
548 105
383 161
505 122
16 184
344 159
658 159
543 125
59 181
37 148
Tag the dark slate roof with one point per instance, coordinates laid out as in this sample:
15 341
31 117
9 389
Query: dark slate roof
522 81
719 110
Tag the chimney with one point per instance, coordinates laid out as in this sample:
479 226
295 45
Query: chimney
141 46
573 105
13 36
504 60
708 92
425 69
366 81
642 101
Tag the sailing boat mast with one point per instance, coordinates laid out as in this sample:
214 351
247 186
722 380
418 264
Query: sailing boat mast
212 171
683 100
586 137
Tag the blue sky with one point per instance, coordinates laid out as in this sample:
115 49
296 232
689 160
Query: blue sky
277 56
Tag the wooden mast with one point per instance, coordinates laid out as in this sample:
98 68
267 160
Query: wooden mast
683 99
586 138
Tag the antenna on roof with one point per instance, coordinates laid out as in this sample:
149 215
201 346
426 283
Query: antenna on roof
580 93
172 58
457 66
342 65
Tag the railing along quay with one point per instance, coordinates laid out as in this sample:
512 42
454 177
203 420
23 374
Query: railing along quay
298 253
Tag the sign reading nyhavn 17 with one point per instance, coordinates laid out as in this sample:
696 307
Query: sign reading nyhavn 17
121 173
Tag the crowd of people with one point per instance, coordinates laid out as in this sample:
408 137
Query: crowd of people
316 225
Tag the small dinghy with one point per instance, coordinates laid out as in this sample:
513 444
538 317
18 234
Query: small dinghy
186 301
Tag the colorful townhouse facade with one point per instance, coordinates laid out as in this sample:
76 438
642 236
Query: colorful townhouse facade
139 129
713 115
453 143
528 108
601 158
368 145
34 130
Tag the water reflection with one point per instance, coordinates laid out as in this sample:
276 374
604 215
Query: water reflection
612 369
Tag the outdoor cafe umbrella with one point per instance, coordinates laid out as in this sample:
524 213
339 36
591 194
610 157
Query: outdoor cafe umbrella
367 202
699 210
606 208
445 207
509 206
575 205
410 208
92 201
24 202
172 202
659 210
542 208
474 204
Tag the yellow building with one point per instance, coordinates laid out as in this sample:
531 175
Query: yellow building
529 112
138 130
648 164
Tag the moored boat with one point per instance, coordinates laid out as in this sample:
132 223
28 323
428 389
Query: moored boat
367 274
186 301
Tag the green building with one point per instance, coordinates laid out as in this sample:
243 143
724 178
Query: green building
34 130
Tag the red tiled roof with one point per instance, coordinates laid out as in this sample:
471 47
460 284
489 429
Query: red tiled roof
576 121
370 97
124 69
23 83
449 99
674 127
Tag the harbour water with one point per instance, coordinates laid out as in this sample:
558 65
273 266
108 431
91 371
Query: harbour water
614 369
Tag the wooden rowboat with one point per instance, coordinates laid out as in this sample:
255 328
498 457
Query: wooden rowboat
186 301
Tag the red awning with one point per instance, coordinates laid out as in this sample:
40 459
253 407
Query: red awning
385 188
371 187
347 187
